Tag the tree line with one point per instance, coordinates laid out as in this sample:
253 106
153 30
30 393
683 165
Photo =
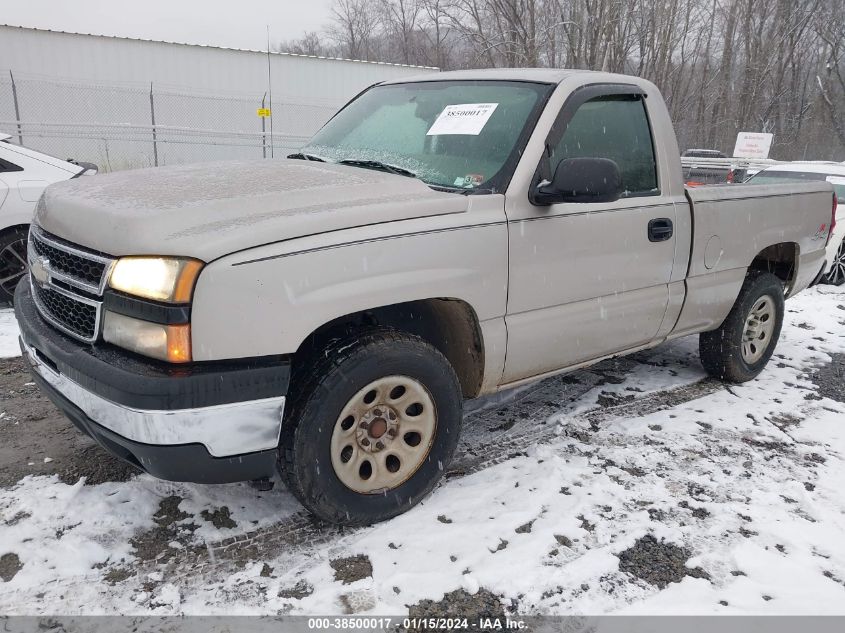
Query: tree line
724 66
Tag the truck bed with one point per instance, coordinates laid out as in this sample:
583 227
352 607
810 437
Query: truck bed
734 223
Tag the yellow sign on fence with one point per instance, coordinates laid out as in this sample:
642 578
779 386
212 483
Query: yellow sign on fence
263 112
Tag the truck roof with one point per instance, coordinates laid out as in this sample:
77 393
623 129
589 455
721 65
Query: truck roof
541 75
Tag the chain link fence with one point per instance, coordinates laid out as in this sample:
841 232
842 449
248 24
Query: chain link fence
127 126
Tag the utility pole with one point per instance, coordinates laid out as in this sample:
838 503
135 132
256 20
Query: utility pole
263 135
270 92
153 118
17 108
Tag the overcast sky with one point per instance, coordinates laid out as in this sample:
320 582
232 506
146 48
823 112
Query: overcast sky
233 23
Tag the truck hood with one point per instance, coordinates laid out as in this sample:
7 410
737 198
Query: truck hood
213 209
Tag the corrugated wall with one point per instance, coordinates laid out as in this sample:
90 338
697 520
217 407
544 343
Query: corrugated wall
88 97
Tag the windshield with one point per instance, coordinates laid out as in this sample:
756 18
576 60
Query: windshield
464 135
771 176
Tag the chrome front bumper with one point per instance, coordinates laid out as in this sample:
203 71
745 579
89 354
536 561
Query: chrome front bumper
224 430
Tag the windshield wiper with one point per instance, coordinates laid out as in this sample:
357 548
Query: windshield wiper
375 164
464 191
301 156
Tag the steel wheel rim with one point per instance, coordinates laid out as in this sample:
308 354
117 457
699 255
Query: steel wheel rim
13 265
759 327
836 276
383 435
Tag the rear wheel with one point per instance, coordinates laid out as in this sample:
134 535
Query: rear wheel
374 420
836 275
13 264
739 350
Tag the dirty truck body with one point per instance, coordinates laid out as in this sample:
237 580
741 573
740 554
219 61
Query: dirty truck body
324 316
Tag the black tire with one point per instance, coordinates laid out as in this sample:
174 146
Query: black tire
836 276
324 386
721 349
13 264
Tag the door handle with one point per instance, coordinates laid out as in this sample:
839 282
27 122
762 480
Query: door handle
660 230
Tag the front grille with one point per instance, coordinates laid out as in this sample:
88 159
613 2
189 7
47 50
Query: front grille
67 284
67 262
80 318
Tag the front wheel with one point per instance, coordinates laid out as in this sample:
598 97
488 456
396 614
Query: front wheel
740 348
836 275
373 422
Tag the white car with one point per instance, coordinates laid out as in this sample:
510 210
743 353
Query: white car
24 174
834 173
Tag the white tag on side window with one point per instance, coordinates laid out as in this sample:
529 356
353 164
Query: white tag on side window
836 180
464 118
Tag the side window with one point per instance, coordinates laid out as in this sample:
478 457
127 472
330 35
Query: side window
614 127
6 166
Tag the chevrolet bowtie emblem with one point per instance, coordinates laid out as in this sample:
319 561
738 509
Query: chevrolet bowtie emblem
40 269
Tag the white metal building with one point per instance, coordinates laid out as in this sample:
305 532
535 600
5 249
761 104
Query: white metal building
124 102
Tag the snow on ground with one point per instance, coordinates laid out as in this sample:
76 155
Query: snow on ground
9 334
730 502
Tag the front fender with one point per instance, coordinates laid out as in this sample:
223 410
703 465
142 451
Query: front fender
268 300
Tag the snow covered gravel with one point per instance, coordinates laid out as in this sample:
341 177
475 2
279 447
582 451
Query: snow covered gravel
583 494
8 334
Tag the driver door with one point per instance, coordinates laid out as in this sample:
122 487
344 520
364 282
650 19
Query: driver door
588 279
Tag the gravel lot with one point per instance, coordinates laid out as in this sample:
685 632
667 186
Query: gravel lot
39 440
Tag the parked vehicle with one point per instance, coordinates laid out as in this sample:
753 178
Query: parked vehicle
814 171
24 174
706 172
440 238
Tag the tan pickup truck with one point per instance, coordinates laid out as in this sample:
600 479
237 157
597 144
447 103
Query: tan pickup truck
324 317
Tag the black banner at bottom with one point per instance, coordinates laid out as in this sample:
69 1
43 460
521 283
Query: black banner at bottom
533 624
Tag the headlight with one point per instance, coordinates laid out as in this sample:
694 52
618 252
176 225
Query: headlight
169 279
165 342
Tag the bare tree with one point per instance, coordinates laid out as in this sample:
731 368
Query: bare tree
830 27
436 31
400 19
354 26
311 43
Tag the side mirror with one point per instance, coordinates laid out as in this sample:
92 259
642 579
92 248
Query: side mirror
581 180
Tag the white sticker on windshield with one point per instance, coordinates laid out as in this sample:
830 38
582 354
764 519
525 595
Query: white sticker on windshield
836 180
464 118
